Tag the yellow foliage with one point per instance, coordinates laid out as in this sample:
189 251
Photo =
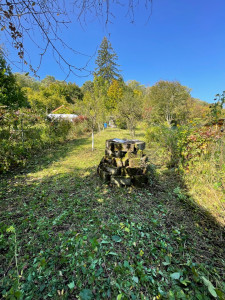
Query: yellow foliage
137 93
115 93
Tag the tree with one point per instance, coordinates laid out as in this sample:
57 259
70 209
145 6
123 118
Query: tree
106 62
46 99
100 88
115 94
136 86
70 91
24 80
49 79
11 94
92 107
168 100
43 20
88 86
216 109
130 110
197 109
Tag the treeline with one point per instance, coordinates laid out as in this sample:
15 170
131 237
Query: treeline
25 103
101 100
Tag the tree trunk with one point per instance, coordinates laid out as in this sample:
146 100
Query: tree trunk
92 135
22 132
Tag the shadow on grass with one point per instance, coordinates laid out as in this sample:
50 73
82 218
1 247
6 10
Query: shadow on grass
174 185
139 133
45 157
55 212
205 234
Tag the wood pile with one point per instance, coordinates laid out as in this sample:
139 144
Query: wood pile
124 163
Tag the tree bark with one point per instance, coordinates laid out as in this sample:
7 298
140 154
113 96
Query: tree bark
92 135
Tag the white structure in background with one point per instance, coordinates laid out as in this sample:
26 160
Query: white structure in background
112 123
67 117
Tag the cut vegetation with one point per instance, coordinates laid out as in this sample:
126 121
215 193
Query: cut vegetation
64 234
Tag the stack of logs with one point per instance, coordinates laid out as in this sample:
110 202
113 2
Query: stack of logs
124 163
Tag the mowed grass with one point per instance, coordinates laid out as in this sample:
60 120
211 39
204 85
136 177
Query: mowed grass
64 234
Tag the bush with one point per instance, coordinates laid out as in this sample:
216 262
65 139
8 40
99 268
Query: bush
121 123
198 153
167 138
22 133
79 127
184 144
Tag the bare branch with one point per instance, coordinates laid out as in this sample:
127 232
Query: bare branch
35 19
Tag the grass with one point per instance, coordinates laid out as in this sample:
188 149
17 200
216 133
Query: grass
206 181
64 234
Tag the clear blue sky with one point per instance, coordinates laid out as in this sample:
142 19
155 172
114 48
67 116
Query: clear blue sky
182 40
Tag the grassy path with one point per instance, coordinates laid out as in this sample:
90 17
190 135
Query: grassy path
66 235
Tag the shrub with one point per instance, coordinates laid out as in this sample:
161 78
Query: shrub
23 132
79 127
199 153
184 144
167 138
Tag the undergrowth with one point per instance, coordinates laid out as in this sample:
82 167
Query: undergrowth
23 133
66 235
197 154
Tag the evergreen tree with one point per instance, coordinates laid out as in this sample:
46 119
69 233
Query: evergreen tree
106 62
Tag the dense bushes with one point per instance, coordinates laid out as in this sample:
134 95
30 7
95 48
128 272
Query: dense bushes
22 133
199 157
183 144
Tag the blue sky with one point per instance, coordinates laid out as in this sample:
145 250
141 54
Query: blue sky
182 40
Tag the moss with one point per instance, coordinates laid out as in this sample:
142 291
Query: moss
134 162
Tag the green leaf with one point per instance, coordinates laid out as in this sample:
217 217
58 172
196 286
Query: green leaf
175 275
126 264
18 294
42 287
10 229
86 294
112 253
119 297
185 282
71 285
210 286
167 261
171 295
127 229
194 271
212 291
105 242
220 294
135 279
116 238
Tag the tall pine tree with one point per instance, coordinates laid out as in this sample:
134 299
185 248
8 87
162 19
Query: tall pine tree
106 62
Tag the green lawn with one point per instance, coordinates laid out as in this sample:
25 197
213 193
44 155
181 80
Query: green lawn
64 234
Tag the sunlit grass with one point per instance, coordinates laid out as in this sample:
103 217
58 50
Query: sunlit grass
82 156
205 185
